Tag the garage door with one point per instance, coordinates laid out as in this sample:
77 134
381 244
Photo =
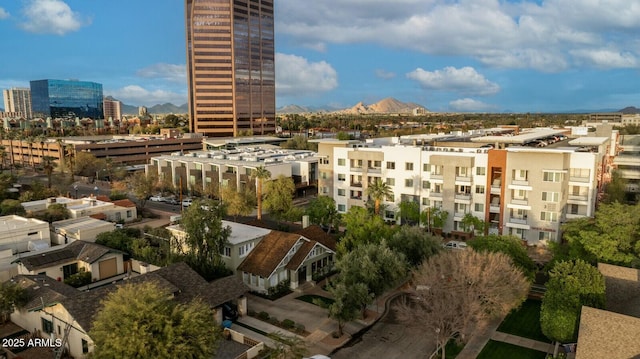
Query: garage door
108 268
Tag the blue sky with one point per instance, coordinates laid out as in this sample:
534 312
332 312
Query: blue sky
448 55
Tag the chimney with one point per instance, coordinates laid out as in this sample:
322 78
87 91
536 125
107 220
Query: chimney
305 221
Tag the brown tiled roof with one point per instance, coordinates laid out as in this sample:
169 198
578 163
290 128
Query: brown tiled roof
43 290
300 255
605 334
622 289
103 198
316 233
99 216
85 251
225 289
269 252
124 203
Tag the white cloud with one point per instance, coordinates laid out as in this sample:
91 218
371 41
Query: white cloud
470 105
3 14
296 76
51 17
137 95
171 72
523 34
386 75
607 58
465 80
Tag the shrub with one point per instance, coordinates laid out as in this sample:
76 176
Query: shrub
79 279
280 290
263 316
288 324
274 321
300 328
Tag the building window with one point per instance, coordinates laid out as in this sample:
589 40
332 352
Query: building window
426 184
391 165
391 198
549 216
342 177
226 252
323 175
579 172
550 196
546 236
129 214
85 346
391 181
408 182
426 167
342 162
479 189
408 166
481 171
462 171
341 192
520 175
47 326
549 176
389 214
478 207
425 201
325 190
342 208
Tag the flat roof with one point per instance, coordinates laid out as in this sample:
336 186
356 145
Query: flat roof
589 141
522 138
221 141
240 233
76 224
13 222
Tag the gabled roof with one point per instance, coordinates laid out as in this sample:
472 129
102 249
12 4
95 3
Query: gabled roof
316 233
623 289
43 290
605 334
77 250
300 255
225 289
268 253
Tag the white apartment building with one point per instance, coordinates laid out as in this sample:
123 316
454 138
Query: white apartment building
516 188
196 170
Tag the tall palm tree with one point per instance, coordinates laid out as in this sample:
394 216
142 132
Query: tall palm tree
48 164
30 161
260 174
378 191
71 157
3 156
61 154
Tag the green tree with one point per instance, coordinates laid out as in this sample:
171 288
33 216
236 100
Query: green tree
261 174
287 347
143 186
616 190
278 199
362 227
120 239
143 321
86 164
55 212
237 203
11 206
322 211
415 243
378 190
571 285
409 213
347 304
434 218
48 164
509 245
12 296
471 223
205 237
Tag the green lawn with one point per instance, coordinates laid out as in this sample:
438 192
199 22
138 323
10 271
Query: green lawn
500 350
525 322
309 298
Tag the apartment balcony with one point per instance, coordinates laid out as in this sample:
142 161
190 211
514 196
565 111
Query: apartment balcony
578 199
356 169
518 220
356 197
494 208
520 201
435 194
356 184
374 170
457 216
463 198
437 176
520 182
579 179
463 179
575 215
495 189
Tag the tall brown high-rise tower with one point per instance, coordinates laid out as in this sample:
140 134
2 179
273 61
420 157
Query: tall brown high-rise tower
231 66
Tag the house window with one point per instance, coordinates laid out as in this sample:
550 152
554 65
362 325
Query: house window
342 162
549 216
85 346
342 177
408 182
47 326
226 252
478 207
550 196
391 181
341 192
426 167
391 165
426 184
408 166
549 176
342 208
273 281
481 171
479 189
129 214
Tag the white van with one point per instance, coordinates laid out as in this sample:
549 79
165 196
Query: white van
455 245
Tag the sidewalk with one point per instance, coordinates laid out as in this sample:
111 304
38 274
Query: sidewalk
523 342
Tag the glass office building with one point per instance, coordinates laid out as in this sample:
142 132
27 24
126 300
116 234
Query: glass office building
66 99
230 66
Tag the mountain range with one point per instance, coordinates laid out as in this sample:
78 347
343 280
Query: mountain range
385 106
158 109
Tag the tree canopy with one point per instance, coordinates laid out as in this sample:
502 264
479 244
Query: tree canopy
508 245
415 243
143 186
571 285
378 191
278 198
12 296
143 321
322 211
362 227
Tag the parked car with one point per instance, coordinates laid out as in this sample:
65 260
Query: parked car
156 198
187 202
171 200
455 245
229 312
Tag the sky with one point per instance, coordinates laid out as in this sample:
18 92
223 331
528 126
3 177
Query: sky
446 55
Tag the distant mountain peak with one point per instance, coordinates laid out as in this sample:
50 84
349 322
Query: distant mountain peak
386 105
630 110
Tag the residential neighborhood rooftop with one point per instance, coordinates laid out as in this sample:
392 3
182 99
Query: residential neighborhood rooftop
85 251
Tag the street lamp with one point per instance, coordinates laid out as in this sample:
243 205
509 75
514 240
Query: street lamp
75 186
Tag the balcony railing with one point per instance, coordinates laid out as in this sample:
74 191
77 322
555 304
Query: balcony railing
356 184
463 179
494 208
578 197
518 220
520 182
437 176
463 196
520 201
579 179
435 194
495 189
356 169
374 170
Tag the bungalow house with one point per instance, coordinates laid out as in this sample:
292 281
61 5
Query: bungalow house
281 257
61 262
241 242
58 310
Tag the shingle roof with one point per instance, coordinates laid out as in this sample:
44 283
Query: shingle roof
80 250
225 289
316 233
42 289
608 335
269 252
300 255
623 289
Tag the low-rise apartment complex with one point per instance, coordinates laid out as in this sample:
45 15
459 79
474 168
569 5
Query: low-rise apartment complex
522 184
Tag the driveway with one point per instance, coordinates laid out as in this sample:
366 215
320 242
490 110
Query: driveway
389 339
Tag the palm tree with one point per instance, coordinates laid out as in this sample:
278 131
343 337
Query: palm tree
71 157
3 156
48 164
61 154
30 143
378 191
260 174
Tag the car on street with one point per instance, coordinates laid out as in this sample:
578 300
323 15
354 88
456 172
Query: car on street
187 202
171 200
455 245
156 198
